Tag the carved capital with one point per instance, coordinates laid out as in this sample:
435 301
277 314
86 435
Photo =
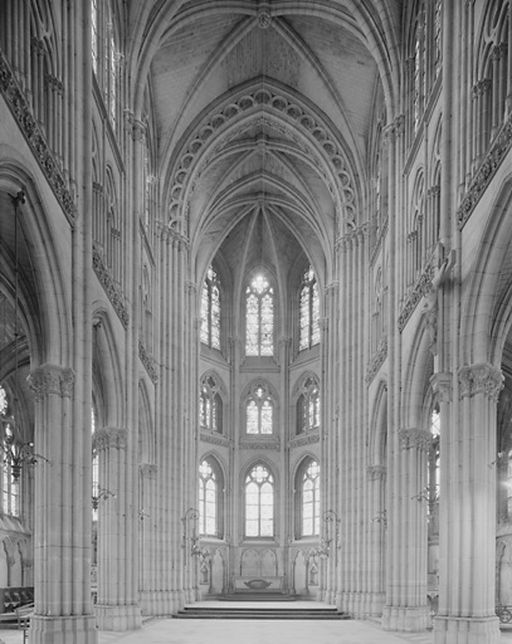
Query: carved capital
110 437
482 378
376 472
51 379
441 383
415 439
148 470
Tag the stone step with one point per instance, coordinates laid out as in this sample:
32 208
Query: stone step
255 612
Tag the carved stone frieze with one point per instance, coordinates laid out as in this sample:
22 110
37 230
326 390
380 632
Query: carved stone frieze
441 383
109 437
376 472
51 379
485 172
34 136
110 287
415 439
482 378
308 438
214 439
259 444
377 360
148 362
422 287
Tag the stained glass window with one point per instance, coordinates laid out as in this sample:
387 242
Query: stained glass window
434 472
308 407
210 310
309 311
259 322
95 470
10 485
94 35
259 503
311 500
210 405
208 497
259 411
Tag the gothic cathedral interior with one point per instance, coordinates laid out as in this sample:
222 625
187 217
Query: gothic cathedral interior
256 310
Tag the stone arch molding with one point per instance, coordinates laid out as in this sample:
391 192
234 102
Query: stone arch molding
267 101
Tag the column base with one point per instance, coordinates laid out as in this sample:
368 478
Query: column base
63 630
405 618
118 618
466 630
374 604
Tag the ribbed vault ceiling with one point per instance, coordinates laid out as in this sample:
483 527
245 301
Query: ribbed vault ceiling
264 107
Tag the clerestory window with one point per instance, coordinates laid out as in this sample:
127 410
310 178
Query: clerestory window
210 309
309 311
259 320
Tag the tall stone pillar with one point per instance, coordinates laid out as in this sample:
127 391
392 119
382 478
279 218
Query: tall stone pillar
467 533
62 508
406 593
376 538
148 562
116 608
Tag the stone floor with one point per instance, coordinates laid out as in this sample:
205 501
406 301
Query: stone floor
221 631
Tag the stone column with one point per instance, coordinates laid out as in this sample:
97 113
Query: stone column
376 538
62 527
148 562
116 608
467 534
406 592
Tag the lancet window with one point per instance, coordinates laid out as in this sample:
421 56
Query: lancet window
10 478
259 321
210 498
105 55
309 311
259 411
210 405
210 309
259 502
434 468
308 484
308 406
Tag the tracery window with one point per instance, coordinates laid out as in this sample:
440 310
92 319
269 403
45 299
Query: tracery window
259 339
434 478
210 309
95 470
309 311
210 500
105 55
210 405
308 406
10 483
310 490
259 502
259 411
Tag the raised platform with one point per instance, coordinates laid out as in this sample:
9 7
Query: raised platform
246 609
